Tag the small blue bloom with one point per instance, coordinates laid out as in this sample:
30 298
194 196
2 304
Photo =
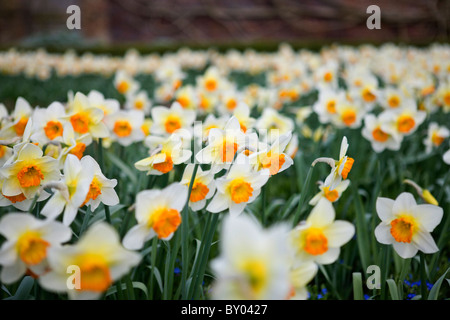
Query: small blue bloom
410 296
429 285
309 295
366 297
177 270
319 296
324 291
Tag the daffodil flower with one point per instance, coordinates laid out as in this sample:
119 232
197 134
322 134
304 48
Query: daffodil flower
49 124
101 189
274 158
436 135
407 225
253 264
300 276
70 193
28 172
320 237
101 260
158 214
87 119
378 138
339 168
168 120
164 154
330 195
240 186
223 144
27 243
124 83
20 116
126 126
203 187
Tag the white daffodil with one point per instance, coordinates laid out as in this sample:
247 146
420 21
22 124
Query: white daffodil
403 121
436 135
320 237
187 97
253 263
28 172
203 187
99 257
339 168
164 154
300 276
330 195
125 84
407 225
240 186
70 193
242 113
378 138
167 120
272 124
108 106
20 115
49 124
325 106
273 157
27 243
158 214
139 101
87 119
125 126
223 144
101 188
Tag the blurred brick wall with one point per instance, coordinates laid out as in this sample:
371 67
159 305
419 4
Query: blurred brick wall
218 21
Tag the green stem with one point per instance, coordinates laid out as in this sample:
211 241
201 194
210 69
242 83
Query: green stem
184 236
423 277
107 214
152 271
263 202
205 254
442 192
85 221
303 195
385 270
195 269
130 289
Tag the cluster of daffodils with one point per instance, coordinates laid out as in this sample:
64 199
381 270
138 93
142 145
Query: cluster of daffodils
43 160
217 143
279 262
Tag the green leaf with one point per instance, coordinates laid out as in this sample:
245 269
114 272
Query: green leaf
361 230
136 285
123 167
157 277
393 289
357 286
24 289
434 292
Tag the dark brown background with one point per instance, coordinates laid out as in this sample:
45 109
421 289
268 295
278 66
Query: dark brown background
176 22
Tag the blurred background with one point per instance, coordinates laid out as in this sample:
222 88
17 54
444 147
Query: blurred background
152 25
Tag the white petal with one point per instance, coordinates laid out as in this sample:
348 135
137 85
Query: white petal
383 234
428 216
405 202
322 215
328 257
384 208
424 242
135 237
218 203
339 233
11 274
405 250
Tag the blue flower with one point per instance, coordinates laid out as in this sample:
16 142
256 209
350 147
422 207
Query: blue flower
319 296
366 297
410 296
429 285
324 291
177 270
